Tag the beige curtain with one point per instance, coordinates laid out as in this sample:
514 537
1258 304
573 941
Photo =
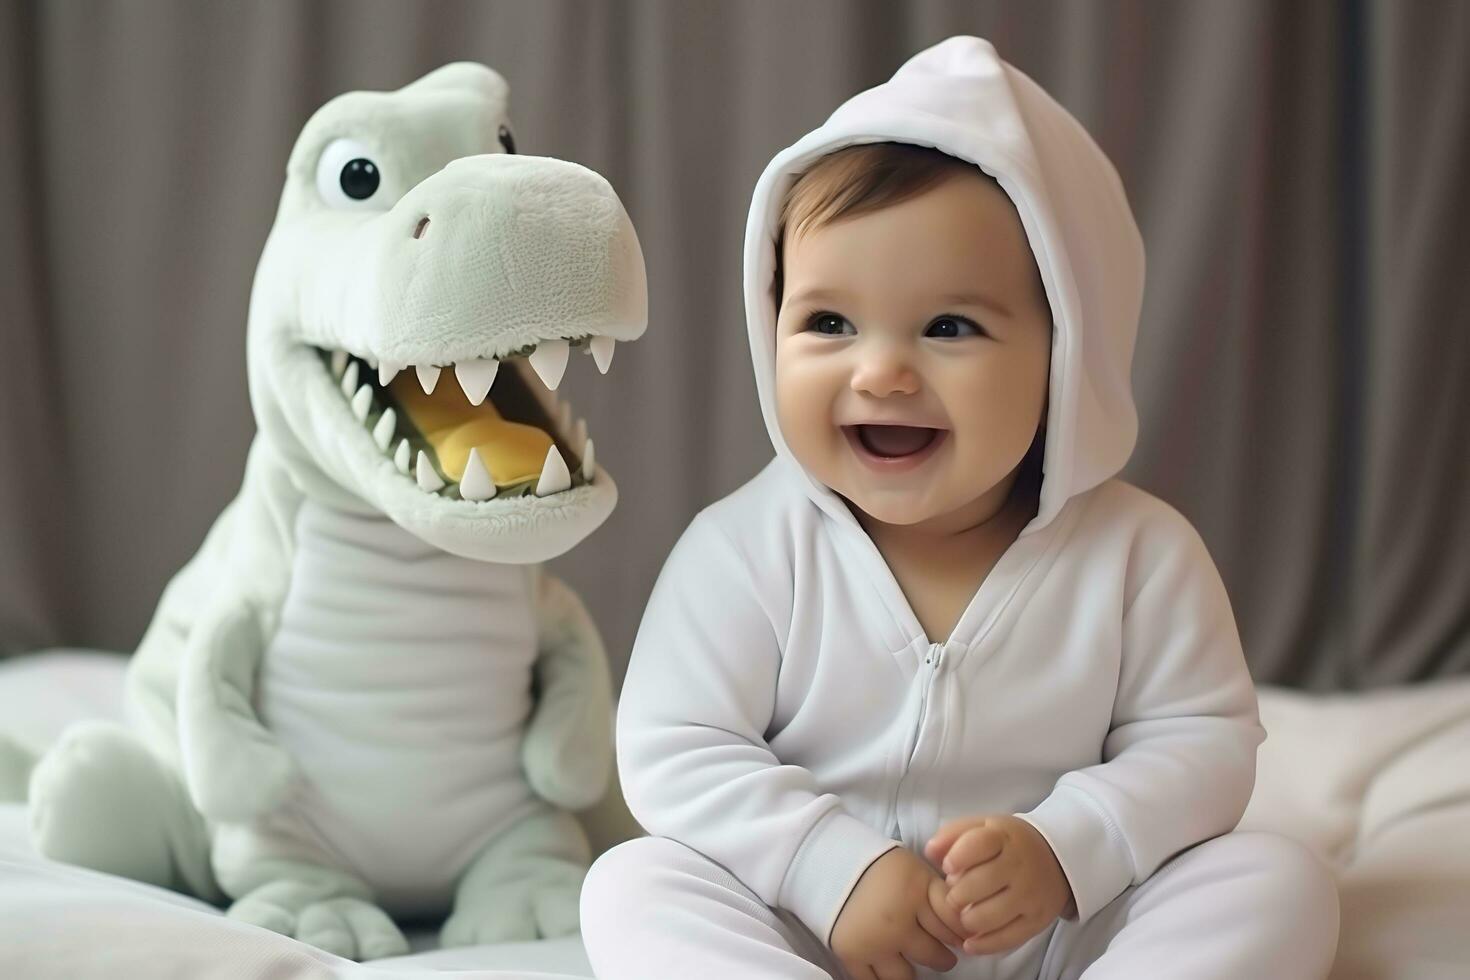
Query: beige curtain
1298 170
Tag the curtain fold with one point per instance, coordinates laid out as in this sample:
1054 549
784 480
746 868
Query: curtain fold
33 597
1298 171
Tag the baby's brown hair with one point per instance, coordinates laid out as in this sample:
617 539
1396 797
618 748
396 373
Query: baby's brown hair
859 179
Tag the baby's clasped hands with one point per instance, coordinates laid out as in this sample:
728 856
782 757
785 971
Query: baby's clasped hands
1003 880
895 917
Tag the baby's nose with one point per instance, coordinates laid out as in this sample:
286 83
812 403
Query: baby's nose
884 373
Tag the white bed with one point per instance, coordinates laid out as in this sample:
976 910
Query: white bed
1377 785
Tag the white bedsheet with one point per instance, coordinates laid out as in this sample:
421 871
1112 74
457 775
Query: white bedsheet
1378 785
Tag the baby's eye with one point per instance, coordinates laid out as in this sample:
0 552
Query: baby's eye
829 324
953 326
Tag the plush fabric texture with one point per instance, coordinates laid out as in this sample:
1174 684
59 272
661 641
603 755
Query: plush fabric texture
363 700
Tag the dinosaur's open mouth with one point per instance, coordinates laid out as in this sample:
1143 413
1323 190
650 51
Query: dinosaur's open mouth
440 428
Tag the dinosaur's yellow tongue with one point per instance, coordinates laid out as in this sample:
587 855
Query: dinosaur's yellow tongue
512 452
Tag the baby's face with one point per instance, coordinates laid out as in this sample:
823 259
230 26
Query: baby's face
913 348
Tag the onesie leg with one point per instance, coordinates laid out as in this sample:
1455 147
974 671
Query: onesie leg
1245 904
653 908
523 885
327 908
100 799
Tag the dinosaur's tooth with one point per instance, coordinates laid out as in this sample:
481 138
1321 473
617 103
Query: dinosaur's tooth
550 361
349 380
554 475
428 479
564 418
602 352
362 401
372 361
589 466
387 371
428 377
383 431
579 436
476 483
400 457
339 362
476 377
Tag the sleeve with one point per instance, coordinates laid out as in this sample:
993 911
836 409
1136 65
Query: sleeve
691 740
1179 760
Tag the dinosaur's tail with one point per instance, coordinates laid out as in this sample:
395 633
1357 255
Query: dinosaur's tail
16 763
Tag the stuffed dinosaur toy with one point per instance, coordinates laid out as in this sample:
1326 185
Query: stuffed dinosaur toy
364 702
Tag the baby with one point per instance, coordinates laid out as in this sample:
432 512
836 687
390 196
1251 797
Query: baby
936 691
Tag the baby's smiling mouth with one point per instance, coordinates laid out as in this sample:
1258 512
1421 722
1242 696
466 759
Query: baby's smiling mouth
892 441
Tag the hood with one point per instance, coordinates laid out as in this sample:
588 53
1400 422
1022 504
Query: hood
961 98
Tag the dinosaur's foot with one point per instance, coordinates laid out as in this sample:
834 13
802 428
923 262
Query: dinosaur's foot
100 799
524 885
324 910
520 912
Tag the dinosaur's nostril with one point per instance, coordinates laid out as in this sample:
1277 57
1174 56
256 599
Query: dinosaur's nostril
422 227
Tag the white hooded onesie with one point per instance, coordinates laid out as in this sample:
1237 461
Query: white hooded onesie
786 717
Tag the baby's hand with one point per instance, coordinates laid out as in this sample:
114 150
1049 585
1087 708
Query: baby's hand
1003 877
888 923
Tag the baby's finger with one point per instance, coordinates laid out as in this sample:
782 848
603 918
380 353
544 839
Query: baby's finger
859 971
1002 940
896 968
990 914
946 835
942 921
976 885
975 846
925 950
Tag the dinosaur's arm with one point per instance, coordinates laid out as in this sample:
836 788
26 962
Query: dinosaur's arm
568 751
234 768
249 546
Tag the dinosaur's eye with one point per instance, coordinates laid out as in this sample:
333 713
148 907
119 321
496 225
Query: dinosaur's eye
359 178
506 140
347 176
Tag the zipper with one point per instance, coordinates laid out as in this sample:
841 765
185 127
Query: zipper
930 671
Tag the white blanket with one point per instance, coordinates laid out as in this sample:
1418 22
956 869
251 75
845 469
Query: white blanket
1378 785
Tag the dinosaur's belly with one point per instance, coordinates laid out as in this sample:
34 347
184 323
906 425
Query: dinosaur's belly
399 679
